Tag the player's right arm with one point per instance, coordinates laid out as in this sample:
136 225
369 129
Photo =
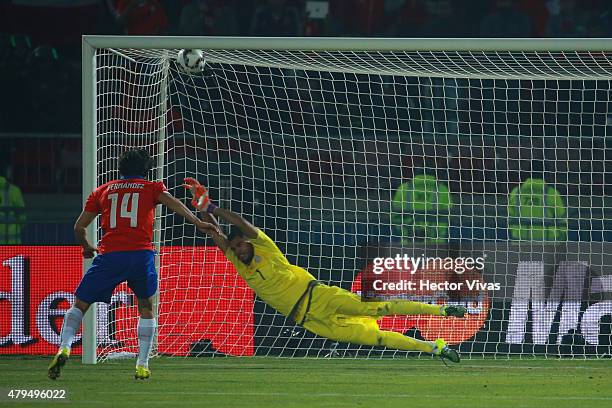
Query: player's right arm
208 211
202 202
179 208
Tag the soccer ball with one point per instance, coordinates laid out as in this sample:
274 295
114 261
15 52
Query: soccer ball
191 61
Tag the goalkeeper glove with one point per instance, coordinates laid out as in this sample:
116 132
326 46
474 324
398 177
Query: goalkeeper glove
200 199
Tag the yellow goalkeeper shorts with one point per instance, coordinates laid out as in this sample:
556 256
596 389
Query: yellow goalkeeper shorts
350 329
322 319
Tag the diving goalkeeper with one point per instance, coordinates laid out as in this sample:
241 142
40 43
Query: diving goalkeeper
328 311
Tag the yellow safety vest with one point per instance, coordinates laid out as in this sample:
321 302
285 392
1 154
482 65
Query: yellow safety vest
536 212
12 214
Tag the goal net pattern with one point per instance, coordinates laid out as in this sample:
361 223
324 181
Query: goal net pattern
346 156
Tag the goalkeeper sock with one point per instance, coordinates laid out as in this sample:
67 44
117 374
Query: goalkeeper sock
146 332
72 322
400 342
404 307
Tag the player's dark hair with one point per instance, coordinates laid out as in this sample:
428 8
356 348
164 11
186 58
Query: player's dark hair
235 232
135 162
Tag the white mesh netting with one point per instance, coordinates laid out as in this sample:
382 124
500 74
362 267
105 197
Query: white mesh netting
339 155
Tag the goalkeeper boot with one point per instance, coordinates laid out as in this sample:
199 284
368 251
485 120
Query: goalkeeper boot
444 352
455 311
142 373
59 360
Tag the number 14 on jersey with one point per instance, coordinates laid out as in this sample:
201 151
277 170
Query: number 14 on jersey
127 200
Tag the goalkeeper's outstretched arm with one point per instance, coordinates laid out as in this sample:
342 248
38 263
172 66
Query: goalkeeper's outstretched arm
179 208
217 236
248 229
220 239
202 202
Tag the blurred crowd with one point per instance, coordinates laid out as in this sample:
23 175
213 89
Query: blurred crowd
40 71
65 20
41 39
390 18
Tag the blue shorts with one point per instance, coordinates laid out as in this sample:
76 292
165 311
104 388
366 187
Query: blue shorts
109 270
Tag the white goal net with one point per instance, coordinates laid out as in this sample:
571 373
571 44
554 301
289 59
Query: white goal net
344 156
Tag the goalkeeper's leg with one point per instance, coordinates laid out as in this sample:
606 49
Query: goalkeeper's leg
362 330
341 301
400 342
365 331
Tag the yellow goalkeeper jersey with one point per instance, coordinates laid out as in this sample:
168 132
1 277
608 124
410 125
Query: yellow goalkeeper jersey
276 281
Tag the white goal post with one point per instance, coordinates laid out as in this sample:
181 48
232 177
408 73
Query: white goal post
328 143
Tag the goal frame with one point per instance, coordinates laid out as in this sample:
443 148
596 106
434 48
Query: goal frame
90 43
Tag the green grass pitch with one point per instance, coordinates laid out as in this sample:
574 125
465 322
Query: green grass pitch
274 382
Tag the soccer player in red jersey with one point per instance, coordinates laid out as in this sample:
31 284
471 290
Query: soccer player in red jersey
125 252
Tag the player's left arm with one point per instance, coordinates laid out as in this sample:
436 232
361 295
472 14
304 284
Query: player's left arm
80 232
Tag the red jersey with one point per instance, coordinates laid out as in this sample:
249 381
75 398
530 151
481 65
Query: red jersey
127 209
